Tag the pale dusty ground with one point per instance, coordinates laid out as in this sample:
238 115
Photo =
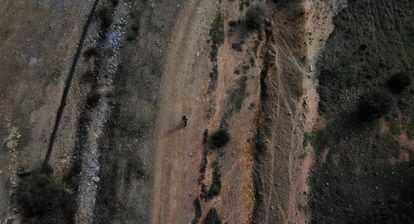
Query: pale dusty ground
31 80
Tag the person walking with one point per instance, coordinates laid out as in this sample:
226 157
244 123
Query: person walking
185 120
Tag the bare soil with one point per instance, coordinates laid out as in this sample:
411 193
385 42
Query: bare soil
110 107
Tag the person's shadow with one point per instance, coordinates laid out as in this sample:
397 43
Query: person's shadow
182 125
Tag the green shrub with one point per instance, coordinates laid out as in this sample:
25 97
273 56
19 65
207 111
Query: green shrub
398 82
375 104
212 217
42 200
91 52
197 211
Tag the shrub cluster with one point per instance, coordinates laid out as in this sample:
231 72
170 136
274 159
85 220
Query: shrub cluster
216 35
255 17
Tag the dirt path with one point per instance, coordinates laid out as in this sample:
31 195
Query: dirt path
175 165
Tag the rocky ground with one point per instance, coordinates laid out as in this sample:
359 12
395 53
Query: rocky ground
190 111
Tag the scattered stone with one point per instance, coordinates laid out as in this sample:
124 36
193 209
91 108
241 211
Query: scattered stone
96 179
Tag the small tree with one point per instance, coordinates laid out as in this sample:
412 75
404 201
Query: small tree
42 200
219 139
212 217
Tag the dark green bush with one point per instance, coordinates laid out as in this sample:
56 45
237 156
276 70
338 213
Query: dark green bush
219 139
255 17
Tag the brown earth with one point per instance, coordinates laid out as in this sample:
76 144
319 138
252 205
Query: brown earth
121 150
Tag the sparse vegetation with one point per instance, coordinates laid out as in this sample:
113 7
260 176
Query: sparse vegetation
106 17
219 139
356 182
216 35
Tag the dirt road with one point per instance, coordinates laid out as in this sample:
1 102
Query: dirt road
186 92
182 94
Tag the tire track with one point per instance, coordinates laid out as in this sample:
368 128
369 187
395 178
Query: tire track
69 82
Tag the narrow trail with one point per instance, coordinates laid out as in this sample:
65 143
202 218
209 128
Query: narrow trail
69 82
